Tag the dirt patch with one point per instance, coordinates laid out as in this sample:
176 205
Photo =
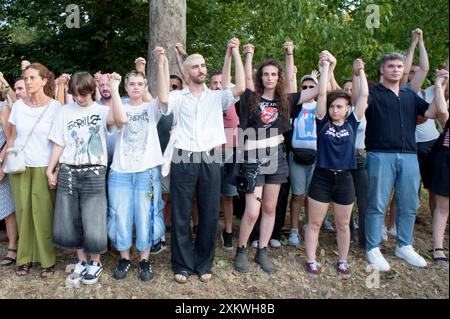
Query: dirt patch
290 280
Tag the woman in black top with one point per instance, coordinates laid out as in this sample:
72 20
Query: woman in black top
264 115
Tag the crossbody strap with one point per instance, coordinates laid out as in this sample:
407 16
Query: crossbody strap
35 124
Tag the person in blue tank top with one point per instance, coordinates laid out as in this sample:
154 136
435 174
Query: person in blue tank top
332 178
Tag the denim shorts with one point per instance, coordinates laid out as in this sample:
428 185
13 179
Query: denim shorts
80 211
300 176
328 186
135 199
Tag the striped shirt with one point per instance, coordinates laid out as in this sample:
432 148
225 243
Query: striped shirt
200 121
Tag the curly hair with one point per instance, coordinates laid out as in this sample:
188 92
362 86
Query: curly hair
280 89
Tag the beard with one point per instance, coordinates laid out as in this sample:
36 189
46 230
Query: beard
198 80
106 97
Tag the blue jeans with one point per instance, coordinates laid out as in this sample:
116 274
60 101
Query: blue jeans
129 202
386 170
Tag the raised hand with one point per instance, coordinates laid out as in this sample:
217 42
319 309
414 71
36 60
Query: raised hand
180 49
441 77
114 80
159 53
139 64
315 74
24 64
234 43
288 47
417 35
249 48
358 65
97 76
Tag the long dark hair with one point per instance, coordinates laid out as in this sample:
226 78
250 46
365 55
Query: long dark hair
280 89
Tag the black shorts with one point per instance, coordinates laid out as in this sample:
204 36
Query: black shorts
274 169
425 165
330 186
439 183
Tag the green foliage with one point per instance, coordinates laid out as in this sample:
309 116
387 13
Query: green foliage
113 33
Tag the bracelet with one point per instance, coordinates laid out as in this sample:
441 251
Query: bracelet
289 53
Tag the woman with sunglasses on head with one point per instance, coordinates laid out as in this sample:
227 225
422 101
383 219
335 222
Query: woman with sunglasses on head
332 179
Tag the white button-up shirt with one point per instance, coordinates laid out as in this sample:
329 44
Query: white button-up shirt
199 121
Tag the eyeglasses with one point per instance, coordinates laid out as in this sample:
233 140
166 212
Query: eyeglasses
304 87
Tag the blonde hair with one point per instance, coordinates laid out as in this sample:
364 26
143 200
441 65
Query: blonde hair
188 62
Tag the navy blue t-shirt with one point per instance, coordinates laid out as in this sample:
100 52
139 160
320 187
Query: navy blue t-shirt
336 144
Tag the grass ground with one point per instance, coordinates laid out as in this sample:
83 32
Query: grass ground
290 280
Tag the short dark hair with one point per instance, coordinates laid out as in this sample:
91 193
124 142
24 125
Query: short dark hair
82 83
348 80
214 73
176 77
18 79
392 56
333 96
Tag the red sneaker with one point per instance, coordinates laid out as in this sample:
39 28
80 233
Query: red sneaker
343 270
313 269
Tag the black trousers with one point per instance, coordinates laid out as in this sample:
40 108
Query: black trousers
204 179
361 182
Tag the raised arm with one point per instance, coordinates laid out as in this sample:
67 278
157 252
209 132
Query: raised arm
324 66
239 89
181 54
424 65
226 69
139 65
162 74
61 95
363 94
410 56
290 66
249 51
118 115
97 90
438 108
4 84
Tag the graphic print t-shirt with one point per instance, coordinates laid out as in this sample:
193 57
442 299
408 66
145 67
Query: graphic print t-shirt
336 143
137 143
267 116
304 134
82 132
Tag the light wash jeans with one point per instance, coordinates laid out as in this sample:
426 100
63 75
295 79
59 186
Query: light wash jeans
129 202
385 171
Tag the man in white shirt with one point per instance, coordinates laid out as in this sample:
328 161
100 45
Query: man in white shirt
198 113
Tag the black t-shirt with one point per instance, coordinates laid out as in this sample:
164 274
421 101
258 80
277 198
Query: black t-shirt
267 120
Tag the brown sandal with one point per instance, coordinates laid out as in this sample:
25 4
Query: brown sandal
48 272
23 270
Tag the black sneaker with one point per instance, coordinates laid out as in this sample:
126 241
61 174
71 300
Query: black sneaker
263 260
145 270
122 268
94 270
227 241
241 260
157 248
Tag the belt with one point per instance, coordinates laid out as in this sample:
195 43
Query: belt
334 171
182 152
265 143
81 166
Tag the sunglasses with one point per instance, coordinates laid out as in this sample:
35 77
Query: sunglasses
174 87
304 87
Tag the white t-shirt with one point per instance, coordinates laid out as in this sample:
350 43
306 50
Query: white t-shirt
82 132
360 133
427 131
137 143
304 134
24 117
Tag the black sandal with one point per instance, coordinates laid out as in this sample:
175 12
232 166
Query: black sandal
11 261
23 270
437 259
181 277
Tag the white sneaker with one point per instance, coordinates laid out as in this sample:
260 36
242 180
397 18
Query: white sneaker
275 243
255 244
94 270
376 260
407 253
392 232
294 239
79 271
384 235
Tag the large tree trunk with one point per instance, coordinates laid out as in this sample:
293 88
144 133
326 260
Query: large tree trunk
167 27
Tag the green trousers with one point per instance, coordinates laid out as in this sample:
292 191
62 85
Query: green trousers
35 205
